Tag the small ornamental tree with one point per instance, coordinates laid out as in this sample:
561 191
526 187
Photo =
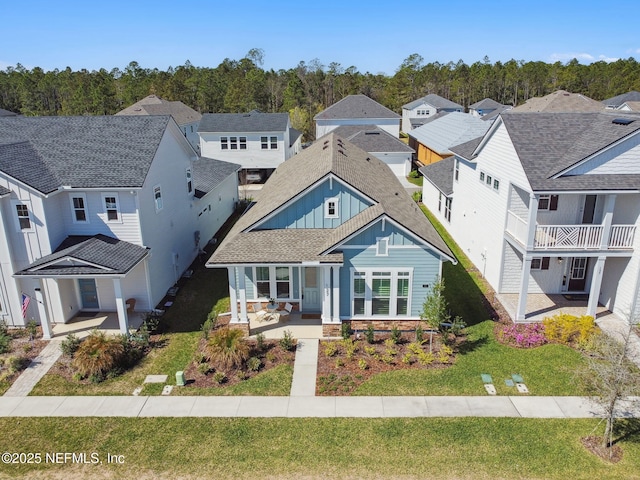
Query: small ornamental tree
435 309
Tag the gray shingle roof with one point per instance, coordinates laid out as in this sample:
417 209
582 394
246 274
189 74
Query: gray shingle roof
634 106
450 130
372 138
632 96
356 106
560 101
153 105
208 173
549 143
440 174
433 100
253 121
7 113
81 152
91 256
486 104
4 191
329 155
294 135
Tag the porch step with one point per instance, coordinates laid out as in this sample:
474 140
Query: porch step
316 316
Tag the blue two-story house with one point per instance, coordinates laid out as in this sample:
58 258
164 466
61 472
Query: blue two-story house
333 232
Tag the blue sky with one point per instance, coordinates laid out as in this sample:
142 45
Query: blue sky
373 35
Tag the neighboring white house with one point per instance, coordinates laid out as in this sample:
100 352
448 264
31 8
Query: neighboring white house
186 117
98 210
548 203
256 141
391 150
414 114
484 107
630 106
357 110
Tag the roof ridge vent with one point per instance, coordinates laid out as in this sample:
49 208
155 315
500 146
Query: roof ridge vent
342 152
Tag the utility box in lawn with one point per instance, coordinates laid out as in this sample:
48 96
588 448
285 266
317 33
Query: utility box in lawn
180 379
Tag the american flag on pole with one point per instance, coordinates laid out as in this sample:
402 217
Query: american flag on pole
25 304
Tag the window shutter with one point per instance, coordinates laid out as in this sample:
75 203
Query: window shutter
553 203
545 263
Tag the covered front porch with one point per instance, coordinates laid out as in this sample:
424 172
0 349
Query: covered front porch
84 323
298 324
541 305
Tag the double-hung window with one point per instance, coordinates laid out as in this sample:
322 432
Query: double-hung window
157 197
24 219
263 287
331 208
269 143
380 292
111 207
273 282
79 208
447 208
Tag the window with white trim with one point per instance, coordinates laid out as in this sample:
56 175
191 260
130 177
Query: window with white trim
269 143
273 282
381 292
548 202
111 207
447 208
157 197
457 170
540 263
331 208
189 180
496 184
439 201
79 208
382 247
24 219
489 180
482 176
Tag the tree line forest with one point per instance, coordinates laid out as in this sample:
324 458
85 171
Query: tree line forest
306 89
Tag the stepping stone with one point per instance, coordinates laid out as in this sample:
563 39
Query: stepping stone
167 390
522 388
137 391
156 379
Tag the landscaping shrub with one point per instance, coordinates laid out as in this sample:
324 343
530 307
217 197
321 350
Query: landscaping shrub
370 333
417 196
527 335
395 333
254 364
98 355
286 342
220 376
362 363
330 349
345 330
5 342
32 328
569 329
227 348
419 334
204 368
70 345
414 174
260 341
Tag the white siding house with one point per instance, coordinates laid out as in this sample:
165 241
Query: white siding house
414 114
549 203
98 210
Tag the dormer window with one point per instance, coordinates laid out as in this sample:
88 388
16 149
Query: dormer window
331 208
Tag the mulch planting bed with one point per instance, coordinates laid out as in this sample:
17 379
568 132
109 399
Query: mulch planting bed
612 454
201 372
354 361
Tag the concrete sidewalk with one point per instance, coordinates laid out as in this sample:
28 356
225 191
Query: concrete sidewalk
37 369
309 407
305 368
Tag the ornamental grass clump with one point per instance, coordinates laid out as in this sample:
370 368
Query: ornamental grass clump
227 348
98 355
527 335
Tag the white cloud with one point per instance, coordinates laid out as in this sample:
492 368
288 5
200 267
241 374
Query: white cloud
581 57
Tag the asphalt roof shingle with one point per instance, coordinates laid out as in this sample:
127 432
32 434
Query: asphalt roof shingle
208 173
81 152
88 255
372 138
632 96
433 100
153 105
329 155
440 174
560 101
356 106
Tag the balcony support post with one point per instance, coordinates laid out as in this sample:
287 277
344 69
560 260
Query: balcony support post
524 288
607 219
531 222
596 283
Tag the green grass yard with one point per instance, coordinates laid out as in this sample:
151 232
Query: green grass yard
468 448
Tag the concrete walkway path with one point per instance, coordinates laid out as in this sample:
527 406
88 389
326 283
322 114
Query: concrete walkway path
311 407
37 369
305 368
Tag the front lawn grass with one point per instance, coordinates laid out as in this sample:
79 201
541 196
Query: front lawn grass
437 448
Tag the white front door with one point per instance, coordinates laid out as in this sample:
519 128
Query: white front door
311 290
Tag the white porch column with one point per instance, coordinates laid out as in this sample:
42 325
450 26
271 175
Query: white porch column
233 298
336 294
326 294
607 219
42 313
524 288
242 291
121 307
596 283
532 221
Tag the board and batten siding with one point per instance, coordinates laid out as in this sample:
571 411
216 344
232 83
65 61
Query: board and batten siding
381 229
308 210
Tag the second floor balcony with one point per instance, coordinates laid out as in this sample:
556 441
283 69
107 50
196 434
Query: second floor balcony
572 237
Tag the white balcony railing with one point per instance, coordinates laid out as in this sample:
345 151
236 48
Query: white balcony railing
566 237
